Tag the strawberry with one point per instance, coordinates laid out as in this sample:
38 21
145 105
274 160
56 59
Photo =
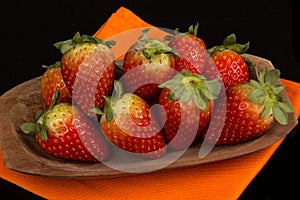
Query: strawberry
147 63
187 100
51 81
130 125
226 63
251 109
191 50
64 132
87 67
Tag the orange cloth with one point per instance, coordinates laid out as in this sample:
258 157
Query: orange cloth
122 20
218 180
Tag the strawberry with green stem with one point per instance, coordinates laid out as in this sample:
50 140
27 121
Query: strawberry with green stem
64 132
190 49
251 109
87 67
51 81
147 63
226 63
129 124
187 100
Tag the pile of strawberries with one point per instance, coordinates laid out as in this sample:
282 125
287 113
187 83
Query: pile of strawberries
160 99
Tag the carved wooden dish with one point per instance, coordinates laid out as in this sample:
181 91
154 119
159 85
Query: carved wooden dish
21 153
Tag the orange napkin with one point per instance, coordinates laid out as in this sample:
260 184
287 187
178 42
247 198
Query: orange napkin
225 179
122 20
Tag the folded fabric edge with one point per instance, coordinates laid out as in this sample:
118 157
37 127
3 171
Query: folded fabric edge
121 20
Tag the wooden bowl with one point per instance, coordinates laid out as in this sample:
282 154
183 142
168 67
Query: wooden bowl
21 153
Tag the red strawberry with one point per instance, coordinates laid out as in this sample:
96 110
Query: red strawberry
51 81
62 131
191 51
251 110
226 63
87 67
130 125
187 100
147 63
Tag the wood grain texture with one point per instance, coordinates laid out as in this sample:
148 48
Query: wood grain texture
21 153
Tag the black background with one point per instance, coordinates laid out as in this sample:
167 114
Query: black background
30 27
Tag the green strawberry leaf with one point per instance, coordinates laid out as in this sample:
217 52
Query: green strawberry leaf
88 38
109 114
29 128
200 101
214 88
257 95
193 29
97 111
230 43
43 132
272 76
280 115
229 40
239 48
267 109
250 64
261 76
171 83
185 95
211 88
55 97
64 46
178 92
57 64
205 91
155 47
108 111
285 107
118 89
172 96
276 89
256 84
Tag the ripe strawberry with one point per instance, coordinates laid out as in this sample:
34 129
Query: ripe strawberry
63 131
191 50
251 109
187 100
51 81
147 63
130 125
226 63
87 67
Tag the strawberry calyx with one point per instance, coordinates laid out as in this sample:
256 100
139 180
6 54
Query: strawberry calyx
39 127
191 30
66 45
186 85
151 46
230 43
110 101
266 92
57 64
